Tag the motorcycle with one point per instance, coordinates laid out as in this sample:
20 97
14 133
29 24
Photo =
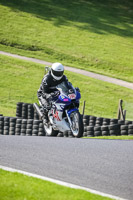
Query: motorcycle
64 113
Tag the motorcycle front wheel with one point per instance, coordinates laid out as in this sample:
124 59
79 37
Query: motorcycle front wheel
49 130
77 124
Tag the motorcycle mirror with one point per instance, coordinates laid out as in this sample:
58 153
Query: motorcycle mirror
47 69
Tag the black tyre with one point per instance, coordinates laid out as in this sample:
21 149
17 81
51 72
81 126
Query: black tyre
36 122
1 123
12 129
105 133
130 126
11 132
107 120
36 117
86 121
113 121
6 127
1 131
28 132
12 119
128 122
97 133
30 121
91 124
23 126
18 125
113 132
124 132
70 134
105 123
90 128
35 132
92 118
65 134
124 127
121 122
17 131
130 131
85 134
6 119
12 124
77 124
35 127
6 123
85 128
6 132
90 133
97 128
29 126
24 121
18 121
1 118
41 133
23 132
98 124
19 109
104 128
99 121
114 127
86 117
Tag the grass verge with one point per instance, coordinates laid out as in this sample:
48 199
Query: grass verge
21 187
92 35
20 80
122 137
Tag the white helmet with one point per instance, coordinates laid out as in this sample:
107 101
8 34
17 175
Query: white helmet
57 70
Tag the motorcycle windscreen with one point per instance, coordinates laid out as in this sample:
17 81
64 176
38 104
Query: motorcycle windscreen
66 88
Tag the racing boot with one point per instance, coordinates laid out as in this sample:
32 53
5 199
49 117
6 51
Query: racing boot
45 115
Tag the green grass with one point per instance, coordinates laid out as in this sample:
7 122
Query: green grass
93 35
122 137
21 187
20 80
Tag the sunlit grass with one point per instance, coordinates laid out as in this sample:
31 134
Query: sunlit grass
92 35
20 80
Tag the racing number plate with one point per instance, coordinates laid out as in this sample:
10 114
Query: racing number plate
72 96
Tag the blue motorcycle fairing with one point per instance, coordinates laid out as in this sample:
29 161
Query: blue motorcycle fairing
63 99
78 95
72 110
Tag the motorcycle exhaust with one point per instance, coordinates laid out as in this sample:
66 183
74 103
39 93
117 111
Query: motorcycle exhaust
36 107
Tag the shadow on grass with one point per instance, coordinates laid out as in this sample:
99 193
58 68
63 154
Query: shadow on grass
98 16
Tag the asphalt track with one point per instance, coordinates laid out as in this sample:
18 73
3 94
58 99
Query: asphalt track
75 70
102 165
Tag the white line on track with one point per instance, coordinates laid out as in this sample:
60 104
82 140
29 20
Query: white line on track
61 183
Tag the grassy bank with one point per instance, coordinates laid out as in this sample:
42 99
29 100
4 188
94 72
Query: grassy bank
19 187
20 80
92 35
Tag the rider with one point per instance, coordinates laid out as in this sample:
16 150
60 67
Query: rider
48 87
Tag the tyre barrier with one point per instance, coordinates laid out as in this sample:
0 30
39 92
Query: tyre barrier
25 127
98 126
26 111
27 123
18 126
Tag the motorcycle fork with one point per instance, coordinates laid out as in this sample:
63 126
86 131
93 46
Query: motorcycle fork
69 120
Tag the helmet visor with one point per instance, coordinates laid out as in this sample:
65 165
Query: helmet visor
57 73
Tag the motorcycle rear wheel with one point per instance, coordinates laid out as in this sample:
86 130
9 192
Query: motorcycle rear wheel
49 130
77 124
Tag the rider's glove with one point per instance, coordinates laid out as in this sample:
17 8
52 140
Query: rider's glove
43 95
56 93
